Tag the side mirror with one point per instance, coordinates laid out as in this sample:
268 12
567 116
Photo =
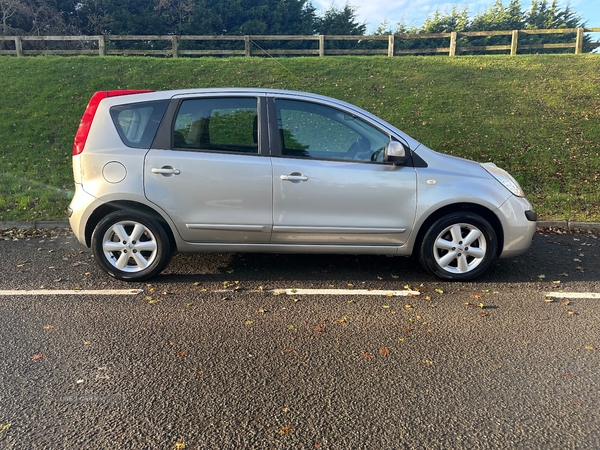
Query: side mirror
396 152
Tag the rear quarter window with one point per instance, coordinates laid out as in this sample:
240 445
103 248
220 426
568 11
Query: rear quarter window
137 123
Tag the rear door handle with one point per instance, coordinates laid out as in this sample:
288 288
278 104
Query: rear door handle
166 170
295 176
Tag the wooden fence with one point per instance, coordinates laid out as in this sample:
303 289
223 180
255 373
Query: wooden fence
320 45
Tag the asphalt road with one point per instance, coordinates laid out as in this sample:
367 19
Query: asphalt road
207 356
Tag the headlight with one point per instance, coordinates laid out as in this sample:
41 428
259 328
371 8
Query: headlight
504 178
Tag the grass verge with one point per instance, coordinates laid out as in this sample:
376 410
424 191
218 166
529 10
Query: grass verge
538 116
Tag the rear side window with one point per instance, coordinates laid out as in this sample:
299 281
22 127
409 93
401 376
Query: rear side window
137 122
218 124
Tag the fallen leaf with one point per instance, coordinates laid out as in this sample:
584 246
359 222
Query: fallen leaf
439 291
179 445
320 329
384 351
4 427
286 430
368 356
182 353
37 356
590 347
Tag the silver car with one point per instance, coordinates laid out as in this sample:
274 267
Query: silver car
260 170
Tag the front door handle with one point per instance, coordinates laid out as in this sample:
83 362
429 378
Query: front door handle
294 176
166 170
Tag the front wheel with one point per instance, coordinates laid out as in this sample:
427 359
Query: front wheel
459 246
130 246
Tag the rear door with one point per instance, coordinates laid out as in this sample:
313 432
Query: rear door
330 186
213 178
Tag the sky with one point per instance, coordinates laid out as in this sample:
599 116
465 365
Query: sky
414 12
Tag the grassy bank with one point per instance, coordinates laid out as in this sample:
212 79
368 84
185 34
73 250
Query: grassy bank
536 116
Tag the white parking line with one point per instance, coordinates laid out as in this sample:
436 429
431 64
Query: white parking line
573 295
72 292
345 292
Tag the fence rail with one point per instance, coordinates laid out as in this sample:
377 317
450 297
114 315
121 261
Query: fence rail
320 45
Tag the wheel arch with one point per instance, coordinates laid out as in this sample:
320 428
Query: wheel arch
457 208
110 207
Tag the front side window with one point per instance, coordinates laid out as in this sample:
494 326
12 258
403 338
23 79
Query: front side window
310 130
218 124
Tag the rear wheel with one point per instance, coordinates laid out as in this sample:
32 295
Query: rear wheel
459 246
131 246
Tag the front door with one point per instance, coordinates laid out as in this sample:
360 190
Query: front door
330 186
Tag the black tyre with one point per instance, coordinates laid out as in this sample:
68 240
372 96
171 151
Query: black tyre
131 246
459 246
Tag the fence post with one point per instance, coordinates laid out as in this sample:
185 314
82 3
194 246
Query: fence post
514 43
579 41
321 45
174 48
18 46
391 45
101 45
452 44
247 45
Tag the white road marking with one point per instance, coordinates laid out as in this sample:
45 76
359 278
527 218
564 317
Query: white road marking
72 292
345 292
573 295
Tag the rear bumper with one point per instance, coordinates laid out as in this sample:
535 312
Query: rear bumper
79 211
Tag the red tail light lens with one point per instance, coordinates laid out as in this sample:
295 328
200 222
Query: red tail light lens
90 111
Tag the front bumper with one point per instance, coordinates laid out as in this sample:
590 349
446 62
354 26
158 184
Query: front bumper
519 221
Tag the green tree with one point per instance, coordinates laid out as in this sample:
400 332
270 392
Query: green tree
340 21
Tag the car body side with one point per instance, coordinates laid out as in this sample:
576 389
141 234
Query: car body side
107 168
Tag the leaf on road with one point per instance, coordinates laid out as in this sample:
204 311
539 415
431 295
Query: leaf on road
541 277
384 351
320 329
4 427
368 356
37 356
179 445
181 353
439 291
590 347
286 430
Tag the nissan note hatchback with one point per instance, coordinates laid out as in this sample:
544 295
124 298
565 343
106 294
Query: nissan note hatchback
259 170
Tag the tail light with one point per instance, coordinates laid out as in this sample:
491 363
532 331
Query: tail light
90 111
